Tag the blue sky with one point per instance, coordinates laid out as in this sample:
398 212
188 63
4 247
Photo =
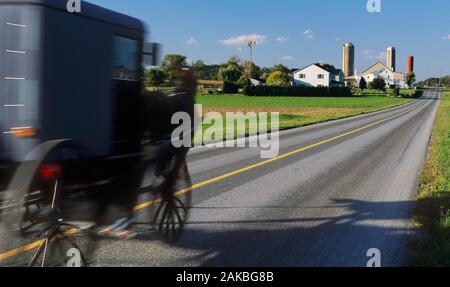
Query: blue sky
299 32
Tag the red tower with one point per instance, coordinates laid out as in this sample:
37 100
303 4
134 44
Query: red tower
410 65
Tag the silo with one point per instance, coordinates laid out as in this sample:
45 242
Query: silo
390 58
410 65
348 59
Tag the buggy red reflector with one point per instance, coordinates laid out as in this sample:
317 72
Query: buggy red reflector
50 172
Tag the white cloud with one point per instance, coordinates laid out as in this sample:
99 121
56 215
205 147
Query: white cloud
446 37
287 58
282 39
240 49
371 55
244 39
191 41
308 34
338 39
381 56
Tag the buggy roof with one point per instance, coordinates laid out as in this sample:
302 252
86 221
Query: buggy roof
87 10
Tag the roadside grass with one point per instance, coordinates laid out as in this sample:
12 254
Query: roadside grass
432 214
370 92
297 112
387 93
407 92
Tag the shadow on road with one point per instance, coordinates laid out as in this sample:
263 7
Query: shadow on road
303 241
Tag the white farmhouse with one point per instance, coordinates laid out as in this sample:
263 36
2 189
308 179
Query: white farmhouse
319 75
380 70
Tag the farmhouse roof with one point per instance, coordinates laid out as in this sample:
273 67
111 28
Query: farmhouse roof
327 67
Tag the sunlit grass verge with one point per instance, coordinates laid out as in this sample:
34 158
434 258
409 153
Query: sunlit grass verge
432 214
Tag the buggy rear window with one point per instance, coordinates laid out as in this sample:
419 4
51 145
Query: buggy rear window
126 59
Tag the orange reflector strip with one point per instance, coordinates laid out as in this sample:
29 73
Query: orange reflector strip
23 132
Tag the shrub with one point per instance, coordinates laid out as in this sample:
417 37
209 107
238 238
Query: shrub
395 92
155 77
378 84
230 74
243 81
278 79
230 88
363 84
296 91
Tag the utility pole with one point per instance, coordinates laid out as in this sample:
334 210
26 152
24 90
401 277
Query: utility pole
251 45
440 77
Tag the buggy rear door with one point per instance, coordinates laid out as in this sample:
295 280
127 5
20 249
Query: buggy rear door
20 48
126 92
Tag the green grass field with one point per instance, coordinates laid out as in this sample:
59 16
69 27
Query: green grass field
301 102
432 214
296 112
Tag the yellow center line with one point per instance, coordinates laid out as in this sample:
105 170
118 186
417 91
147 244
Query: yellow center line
21 250
31 246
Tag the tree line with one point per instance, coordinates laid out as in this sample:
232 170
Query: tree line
234 71
434 82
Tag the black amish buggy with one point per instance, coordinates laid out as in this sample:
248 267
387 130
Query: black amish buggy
73 131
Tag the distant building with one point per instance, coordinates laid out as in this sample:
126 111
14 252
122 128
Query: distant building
348 59
380 70
317 75
410 65
352 81
391 58
256 82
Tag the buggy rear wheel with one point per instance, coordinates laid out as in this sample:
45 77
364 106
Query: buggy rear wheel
171 207
32 231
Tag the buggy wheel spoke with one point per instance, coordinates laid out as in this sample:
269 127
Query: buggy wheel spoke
163 221
182 206
158 212
36 255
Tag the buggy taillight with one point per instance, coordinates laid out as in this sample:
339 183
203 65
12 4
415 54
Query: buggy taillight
50 172
24 132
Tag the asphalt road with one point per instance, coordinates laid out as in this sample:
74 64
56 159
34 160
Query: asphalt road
339 189
326 205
